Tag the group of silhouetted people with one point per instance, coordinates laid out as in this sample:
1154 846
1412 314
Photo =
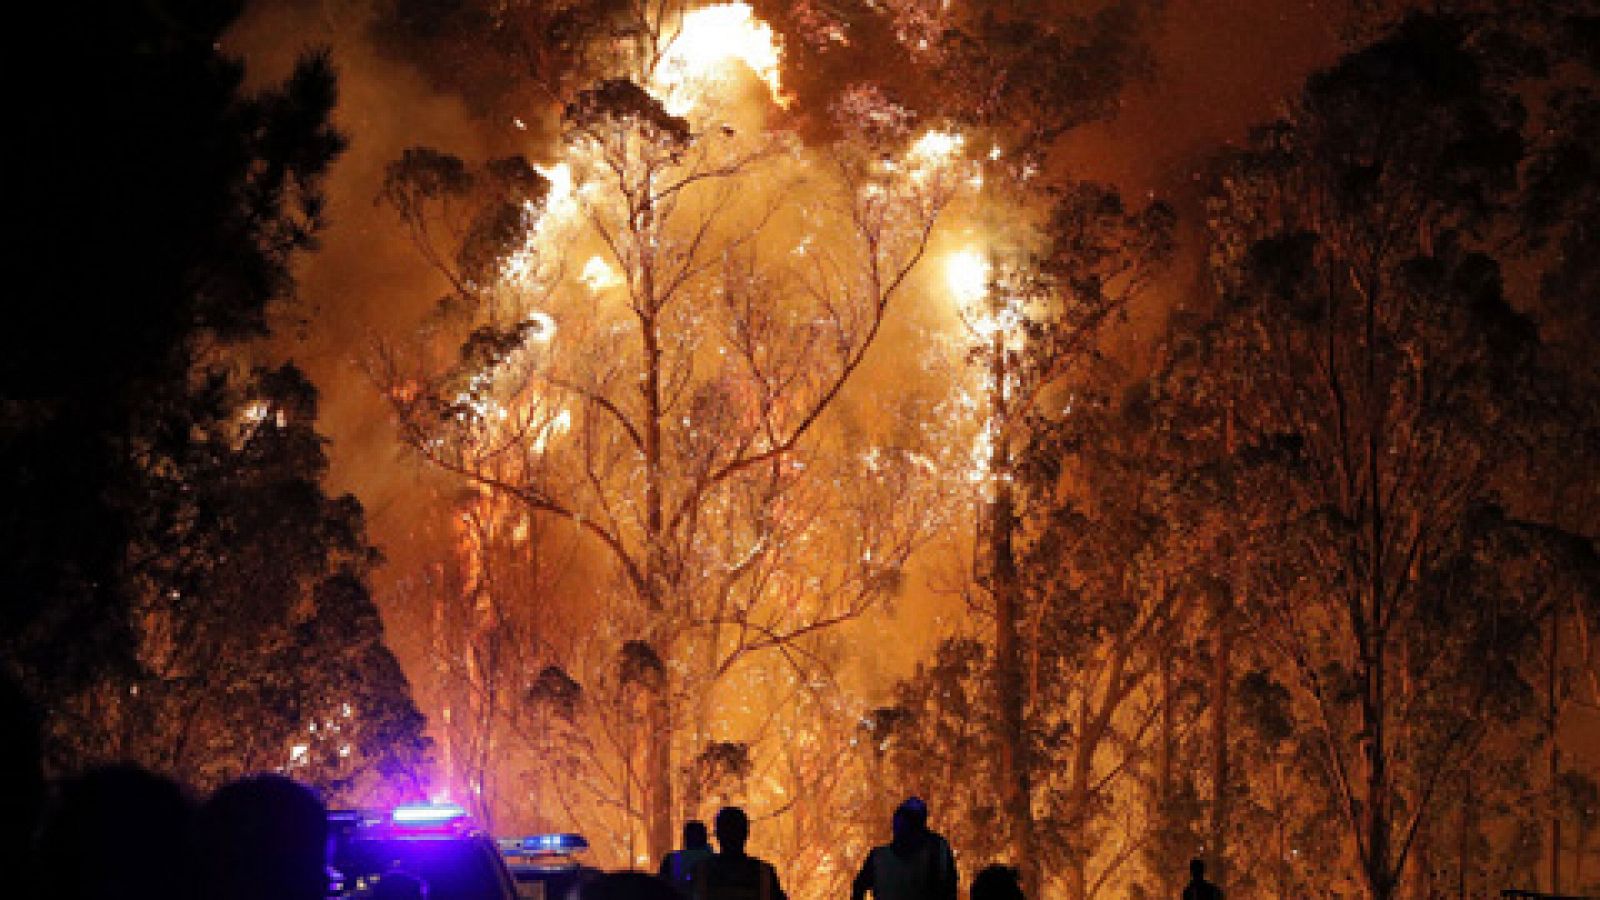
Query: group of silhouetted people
916 864
122 833
696 873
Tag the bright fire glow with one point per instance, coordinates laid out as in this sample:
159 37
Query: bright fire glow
935 152
558 425
967 274
562 201
547 327
710 38
599 275
937 146
529 264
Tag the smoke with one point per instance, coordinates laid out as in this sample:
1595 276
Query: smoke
1220 69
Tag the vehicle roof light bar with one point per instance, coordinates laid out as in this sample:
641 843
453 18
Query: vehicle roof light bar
565 842
427 814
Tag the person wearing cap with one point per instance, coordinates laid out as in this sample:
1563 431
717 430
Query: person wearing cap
733 874
916 864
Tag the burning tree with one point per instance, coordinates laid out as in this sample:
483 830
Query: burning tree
662 397
1064 562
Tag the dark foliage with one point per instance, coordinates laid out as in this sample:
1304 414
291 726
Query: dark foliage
177 586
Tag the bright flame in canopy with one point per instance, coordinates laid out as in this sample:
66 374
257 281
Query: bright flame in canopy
599 275
967 274
711 37
937 146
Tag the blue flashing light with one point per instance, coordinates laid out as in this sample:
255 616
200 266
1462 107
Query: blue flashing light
344 819
554 843
427 814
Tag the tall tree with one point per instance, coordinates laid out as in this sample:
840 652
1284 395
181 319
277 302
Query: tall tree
1377 373
192 224
663 397
1064 530
260 644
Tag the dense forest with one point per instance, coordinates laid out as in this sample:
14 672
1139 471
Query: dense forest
763 346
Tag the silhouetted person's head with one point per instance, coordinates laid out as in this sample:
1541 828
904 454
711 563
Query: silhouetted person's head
263 838
694 833
1197 868
733 829
626 886
910 819
997 883
400 886
118 833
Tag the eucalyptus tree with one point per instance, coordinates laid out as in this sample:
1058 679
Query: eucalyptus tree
655 330
1379 381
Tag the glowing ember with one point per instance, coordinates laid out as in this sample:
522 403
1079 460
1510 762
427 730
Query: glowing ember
709 39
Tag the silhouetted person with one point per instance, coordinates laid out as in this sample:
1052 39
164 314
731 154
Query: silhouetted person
400 886
117 833
997 882
677 867
916 864
1199 888
263 837
732 874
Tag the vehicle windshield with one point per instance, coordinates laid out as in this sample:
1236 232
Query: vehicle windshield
452 869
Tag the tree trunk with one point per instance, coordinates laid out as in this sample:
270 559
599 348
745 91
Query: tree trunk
1376 827
1464 838
658 779
1419 866
1222 670
657 799
1552 712
1076 875
1015 789
1168 868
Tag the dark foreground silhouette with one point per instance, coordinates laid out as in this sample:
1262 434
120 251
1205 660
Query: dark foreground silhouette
677 867
1199 888
732 874
916 864
997 883
117 832
266 837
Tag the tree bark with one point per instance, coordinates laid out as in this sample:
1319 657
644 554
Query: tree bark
1220 767
1552 713
1375 824
1169 868
658 775
1015 788
1464 838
